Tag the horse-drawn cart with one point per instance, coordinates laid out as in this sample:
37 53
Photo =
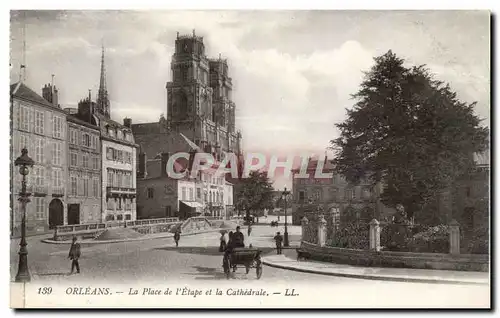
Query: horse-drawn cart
242 257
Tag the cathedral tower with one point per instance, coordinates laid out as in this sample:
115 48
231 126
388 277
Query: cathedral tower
199 97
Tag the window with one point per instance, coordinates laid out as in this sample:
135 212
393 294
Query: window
109 153
39 122
73 186
119 217
56 153
191 194
128 217
367 192
128 205
85 186
302 196
24 118
95 187
349 194
183 197
39 151
119 176
38 176
73 157
86 140
24 142
205 197
95 163
151 193
57 127
57 178
39 208
110 178
184 74
120 207
110 204
168 210
73 136
198 193
85 160
119 134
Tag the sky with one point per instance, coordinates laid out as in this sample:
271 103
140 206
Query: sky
293 71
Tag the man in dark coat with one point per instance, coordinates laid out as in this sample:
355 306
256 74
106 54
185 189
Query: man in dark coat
74 255
278 239
238 238
177 237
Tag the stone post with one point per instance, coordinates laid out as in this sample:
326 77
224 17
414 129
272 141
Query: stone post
454 237
304 222
375 235
321 230
55 233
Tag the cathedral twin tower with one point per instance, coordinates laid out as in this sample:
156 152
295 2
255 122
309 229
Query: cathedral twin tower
199 101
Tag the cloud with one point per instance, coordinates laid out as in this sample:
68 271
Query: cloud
293 72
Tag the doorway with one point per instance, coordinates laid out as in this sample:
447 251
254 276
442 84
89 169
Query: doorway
73 214
56 213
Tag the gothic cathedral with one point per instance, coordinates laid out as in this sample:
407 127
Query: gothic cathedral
199 101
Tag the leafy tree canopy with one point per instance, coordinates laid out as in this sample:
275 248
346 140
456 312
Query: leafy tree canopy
254 193
408 130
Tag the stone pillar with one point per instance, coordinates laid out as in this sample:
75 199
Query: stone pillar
454 237
304 222
321 230
375 235
55 233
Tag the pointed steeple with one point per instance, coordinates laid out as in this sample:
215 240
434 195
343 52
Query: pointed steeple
102 95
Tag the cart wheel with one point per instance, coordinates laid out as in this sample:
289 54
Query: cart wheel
258 270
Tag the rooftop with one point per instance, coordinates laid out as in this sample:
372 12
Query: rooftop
20 90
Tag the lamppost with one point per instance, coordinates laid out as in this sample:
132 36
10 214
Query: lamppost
23 274
285 196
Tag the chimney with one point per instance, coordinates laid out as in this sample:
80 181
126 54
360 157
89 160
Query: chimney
164 159
50 93
142 169
127 122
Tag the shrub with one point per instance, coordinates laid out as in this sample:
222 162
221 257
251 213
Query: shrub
479 243
433 240
354 235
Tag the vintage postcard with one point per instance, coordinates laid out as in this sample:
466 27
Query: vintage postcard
250 159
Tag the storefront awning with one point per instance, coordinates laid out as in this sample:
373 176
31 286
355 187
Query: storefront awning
193 204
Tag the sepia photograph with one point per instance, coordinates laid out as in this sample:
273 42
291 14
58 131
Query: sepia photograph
250 159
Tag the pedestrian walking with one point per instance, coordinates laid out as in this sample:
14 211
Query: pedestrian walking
74 255
223 243
177 237
278 239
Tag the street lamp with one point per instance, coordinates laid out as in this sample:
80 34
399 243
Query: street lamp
285 196
23 274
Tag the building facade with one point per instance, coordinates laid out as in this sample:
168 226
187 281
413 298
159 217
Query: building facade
335 197
199 98
84 171
159 195
39 125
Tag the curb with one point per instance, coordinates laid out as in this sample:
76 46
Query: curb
372 277
48 241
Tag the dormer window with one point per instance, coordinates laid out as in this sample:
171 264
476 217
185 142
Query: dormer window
119 134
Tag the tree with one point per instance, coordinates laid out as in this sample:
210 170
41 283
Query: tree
409 131
255 193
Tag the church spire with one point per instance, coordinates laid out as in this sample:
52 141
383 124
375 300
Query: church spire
102 94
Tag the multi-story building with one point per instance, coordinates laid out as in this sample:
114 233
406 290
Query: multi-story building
199 98
160 195
118 159
84 170
39 125
335 196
